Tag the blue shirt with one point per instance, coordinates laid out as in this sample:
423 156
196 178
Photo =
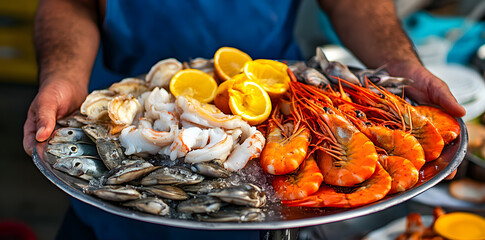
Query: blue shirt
138 34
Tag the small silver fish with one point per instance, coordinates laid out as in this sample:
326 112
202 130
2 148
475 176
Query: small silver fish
334 69
71 149
111 152
167 191
69 135
129 172
172 175
70 121
84 167
246 194
234 214
200 204
149 205
96 131
380 77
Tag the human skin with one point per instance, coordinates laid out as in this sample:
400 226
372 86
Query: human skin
66 37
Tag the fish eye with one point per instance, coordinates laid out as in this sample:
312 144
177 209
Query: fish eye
368 124
70 132
73 148
77 164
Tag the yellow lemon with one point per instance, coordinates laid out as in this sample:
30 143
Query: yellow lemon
221 100
194 83
229 62
270 75
249 100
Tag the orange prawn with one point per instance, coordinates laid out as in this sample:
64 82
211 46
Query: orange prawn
394 141
349 156
447 125
401 111
303 183
286 145
403 173
373 189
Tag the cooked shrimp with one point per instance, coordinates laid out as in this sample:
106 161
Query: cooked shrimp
186 140
399 110
403 173
206 115
301 184
249 149
144 139
394 142
286 147
219 147
447 125
373 189
349 157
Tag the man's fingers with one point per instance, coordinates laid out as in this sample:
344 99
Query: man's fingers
442 95
30 130
46 122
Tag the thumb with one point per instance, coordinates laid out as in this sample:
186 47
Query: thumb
46 122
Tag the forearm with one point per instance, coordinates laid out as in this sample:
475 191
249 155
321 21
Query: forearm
66 39
371 30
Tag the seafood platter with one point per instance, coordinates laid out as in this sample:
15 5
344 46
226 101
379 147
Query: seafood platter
275 145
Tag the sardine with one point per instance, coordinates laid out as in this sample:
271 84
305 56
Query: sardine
69 135
111 152
70 121
200 204
97 131
84 167
245 194
167 191
149 205
129 172
334 69
172 175
381 78
71 149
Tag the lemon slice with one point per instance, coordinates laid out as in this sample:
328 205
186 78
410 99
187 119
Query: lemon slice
221 99
271 75
249 100
460 225
229 62
194 83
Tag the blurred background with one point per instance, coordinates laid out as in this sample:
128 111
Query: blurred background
448 35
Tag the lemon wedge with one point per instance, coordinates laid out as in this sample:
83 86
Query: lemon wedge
229 62
271 75
250 101
194 83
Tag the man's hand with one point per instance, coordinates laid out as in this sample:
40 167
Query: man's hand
53 101
426 88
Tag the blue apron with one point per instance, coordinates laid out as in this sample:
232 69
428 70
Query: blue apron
137 34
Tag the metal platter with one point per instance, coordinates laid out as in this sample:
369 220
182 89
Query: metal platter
277 216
